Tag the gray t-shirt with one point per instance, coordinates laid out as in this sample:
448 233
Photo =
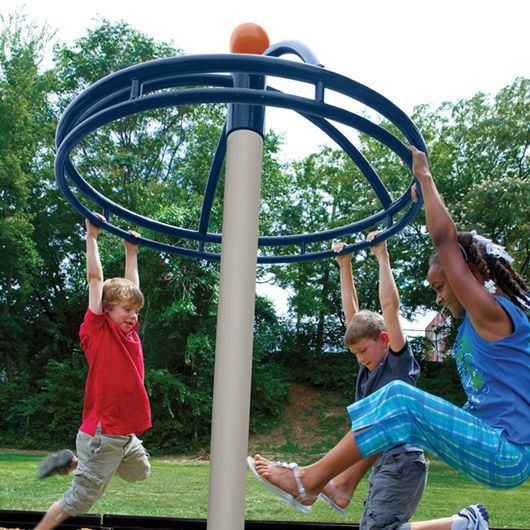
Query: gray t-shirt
395 366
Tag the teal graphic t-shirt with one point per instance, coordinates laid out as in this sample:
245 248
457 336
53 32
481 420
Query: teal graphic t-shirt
496 375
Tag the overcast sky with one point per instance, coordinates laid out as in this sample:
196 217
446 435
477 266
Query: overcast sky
410 51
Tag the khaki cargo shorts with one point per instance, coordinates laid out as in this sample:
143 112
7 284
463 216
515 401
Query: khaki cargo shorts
99 458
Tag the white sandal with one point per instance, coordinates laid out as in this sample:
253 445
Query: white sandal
293 501
337 494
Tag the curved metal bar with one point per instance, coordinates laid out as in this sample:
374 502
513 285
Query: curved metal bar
175 67
250 96
218 95
123 94
359 245
360 161
294 47
211 184
134 90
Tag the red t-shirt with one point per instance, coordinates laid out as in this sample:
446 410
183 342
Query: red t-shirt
115 394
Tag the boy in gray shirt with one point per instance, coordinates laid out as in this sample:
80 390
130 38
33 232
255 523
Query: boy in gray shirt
398 476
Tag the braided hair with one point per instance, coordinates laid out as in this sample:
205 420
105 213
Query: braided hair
495 268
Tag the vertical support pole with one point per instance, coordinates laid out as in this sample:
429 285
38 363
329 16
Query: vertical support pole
235 323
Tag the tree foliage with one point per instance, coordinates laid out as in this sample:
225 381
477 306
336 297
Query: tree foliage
156 163
479 155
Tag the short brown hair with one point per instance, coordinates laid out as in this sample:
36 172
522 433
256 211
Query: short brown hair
364 325
117 290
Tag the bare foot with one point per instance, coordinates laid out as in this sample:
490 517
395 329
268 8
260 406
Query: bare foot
283 478
340 498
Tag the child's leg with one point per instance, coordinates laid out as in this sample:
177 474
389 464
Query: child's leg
86 488
98 458
436 524
341 488
135 464
54 516
315 476
473 517
400 413
395 489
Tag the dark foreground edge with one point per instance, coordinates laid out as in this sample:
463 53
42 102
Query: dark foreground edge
26 520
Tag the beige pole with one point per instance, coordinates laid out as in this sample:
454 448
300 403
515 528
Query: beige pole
235 322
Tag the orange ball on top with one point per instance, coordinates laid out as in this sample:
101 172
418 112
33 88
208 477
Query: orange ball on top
249 38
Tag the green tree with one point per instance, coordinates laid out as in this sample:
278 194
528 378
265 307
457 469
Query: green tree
482 157
155 163
25 127
479 156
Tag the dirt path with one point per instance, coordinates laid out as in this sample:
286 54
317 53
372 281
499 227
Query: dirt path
313 417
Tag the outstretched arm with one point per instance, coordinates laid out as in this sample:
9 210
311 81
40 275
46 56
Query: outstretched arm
131 260
388 295
94 270
440 225
348 292
485 313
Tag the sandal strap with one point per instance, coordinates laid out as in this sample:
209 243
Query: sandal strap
293 466
337 494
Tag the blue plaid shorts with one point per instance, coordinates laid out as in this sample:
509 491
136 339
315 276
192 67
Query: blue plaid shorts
400 413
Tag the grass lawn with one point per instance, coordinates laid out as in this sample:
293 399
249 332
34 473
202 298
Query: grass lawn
179 488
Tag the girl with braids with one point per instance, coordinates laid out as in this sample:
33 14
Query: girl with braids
489 438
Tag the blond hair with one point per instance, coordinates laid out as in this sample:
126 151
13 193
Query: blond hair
117 290
364 325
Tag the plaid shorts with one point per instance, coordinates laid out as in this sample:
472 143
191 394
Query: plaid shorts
400 413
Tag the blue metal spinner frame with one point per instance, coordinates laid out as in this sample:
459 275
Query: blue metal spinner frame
137 89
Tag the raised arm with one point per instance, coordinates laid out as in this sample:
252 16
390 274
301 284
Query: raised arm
388 295
94 270
348 292
131 260
485 313
440 225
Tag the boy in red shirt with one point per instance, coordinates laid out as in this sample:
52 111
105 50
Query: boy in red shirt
116 407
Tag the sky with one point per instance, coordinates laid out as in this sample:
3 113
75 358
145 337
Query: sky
410 51
413 52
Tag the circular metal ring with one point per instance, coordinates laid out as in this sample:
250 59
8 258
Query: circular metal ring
137 89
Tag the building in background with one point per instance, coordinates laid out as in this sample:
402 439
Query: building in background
437 331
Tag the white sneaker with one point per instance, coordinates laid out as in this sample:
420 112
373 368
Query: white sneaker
477 517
